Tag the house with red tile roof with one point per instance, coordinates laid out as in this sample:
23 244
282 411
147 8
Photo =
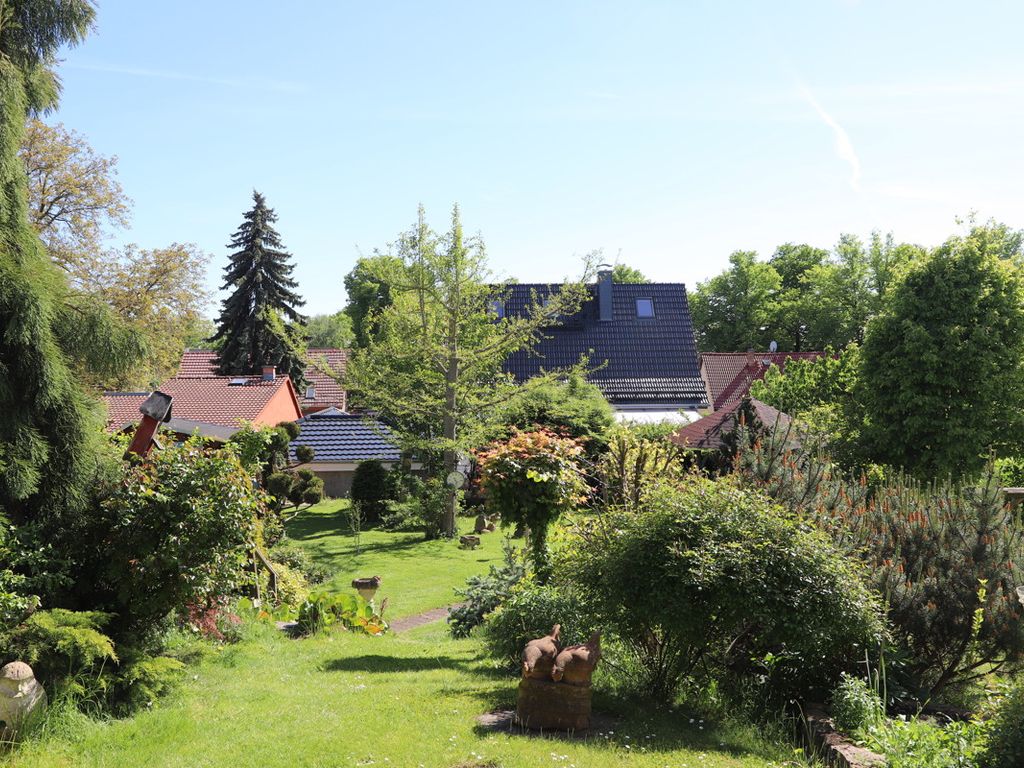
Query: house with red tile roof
728 375
214 405
711 432
324 371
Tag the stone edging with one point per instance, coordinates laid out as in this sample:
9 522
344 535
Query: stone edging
835 748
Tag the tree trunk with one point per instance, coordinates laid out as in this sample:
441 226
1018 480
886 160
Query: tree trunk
451 456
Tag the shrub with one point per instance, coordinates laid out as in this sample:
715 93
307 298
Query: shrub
529 612
633 462
928 549
175 532
531 479
142 681
370 489
855 706
292 587
297 558
1005 744
59 642
572 407
421 512
485 593
710 574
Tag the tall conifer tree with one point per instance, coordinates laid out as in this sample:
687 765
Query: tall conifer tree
49 455
258 320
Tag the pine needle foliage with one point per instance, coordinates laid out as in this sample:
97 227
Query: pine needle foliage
938 553
258 321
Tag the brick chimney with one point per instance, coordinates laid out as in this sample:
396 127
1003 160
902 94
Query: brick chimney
269 372
604 293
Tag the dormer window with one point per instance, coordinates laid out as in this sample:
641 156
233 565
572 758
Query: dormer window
311 393
645 308
497 308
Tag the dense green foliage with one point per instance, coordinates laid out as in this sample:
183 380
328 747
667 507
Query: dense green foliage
707 575
855 706
530 479
528 612
253 326
802 297
572 407
623 273
1004 746
929 550
176 531
432 366
482 594
329 331
263 451
368 286
943 365
371 489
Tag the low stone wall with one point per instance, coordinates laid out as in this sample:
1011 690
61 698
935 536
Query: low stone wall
833 747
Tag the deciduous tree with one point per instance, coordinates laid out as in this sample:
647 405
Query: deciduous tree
433 366
943 365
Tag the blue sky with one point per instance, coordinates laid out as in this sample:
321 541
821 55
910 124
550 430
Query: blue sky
666 133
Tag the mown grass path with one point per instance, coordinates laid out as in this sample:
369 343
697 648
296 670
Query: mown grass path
407 700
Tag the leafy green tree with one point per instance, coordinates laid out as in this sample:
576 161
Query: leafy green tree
734 311
74 197
807 384
433 366
254 320
368 286
623 273
942 364
793 262
330 331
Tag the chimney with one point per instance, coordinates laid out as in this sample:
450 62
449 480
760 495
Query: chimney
269 372
604 292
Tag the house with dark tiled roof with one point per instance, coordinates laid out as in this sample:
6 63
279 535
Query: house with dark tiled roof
711 432
325 368
340 441
215 406
638 338
728 375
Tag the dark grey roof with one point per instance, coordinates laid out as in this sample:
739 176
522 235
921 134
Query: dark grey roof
644 361
341 437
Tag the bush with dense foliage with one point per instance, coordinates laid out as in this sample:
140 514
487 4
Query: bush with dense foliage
929 550
528 612
632 462
530 479
263 451
855 705
707 575
371 489
482 594
572 407
176 531
298 559
1004 746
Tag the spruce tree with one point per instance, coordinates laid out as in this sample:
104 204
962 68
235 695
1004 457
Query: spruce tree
258 321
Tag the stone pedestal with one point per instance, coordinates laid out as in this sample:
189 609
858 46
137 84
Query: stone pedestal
545 704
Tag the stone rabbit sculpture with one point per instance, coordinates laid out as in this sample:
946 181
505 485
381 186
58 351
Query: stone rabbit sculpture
539 655
575 664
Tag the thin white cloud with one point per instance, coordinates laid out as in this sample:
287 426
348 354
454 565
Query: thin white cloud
163 74
844 147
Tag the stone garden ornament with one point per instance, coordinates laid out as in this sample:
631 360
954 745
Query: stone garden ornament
21 697
554 692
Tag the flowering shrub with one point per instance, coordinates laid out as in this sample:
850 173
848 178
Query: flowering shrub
531 479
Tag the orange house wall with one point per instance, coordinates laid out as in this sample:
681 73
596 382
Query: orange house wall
282 407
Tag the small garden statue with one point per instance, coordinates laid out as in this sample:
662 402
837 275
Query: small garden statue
539 655
575 664
21 695
554 693
367 586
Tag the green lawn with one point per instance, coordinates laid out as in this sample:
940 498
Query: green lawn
403 700
417 575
